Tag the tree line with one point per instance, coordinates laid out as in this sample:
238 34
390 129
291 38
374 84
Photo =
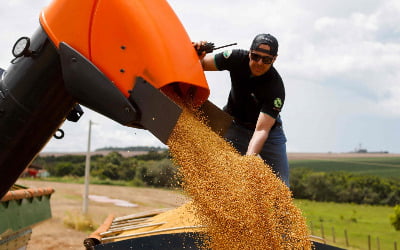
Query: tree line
344 187
151 169
133 148
156 169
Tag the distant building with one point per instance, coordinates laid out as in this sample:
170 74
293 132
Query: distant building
364 151
361 150
35 171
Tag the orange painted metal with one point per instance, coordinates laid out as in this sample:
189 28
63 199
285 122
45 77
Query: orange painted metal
26 193
103 228
69 21
126 39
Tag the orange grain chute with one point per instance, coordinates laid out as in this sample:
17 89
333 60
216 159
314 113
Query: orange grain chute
126 39
69 21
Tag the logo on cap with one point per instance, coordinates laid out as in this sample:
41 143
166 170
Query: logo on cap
266 40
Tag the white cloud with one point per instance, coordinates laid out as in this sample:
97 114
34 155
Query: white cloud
17 18
339 61
345 51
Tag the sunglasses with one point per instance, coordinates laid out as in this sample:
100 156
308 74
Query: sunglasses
265 59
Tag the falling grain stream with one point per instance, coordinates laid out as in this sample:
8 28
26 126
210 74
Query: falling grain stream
239 200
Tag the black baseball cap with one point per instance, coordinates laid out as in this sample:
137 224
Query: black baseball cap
267 39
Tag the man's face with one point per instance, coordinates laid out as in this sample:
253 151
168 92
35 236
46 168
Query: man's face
260 62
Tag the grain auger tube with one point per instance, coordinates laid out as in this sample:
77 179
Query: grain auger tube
130 61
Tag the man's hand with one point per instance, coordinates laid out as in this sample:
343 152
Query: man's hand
202 48
207 61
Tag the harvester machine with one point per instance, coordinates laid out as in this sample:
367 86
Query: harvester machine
131 61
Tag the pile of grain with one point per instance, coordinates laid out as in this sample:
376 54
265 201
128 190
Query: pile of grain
176 220
238 198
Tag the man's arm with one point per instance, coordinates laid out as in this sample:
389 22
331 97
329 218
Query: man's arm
260 135
208 63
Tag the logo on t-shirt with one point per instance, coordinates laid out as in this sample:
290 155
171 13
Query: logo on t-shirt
227 53
278 103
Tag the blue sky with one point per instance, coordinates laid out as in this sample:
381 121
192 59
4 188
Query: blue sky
339 60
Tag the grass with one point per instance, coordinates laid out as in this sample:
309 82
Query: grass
94 180
360 222
380 166
79 222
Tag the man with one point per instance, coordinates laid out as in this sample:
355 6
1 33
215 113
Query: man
255 100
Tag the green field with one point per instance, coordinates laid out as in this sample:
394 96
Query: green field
379 166
364 224
360 221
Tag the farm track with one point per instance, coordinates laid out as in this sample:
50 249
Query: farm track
67 199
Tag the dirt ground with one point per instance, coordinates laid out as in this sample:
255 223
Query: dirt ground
67 199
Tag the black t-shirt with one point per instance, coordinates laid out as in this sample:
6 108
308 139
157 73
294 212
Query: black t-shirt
249 94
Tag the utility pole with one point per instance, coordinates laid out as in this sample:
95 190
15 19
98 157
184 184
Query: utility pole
87 172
